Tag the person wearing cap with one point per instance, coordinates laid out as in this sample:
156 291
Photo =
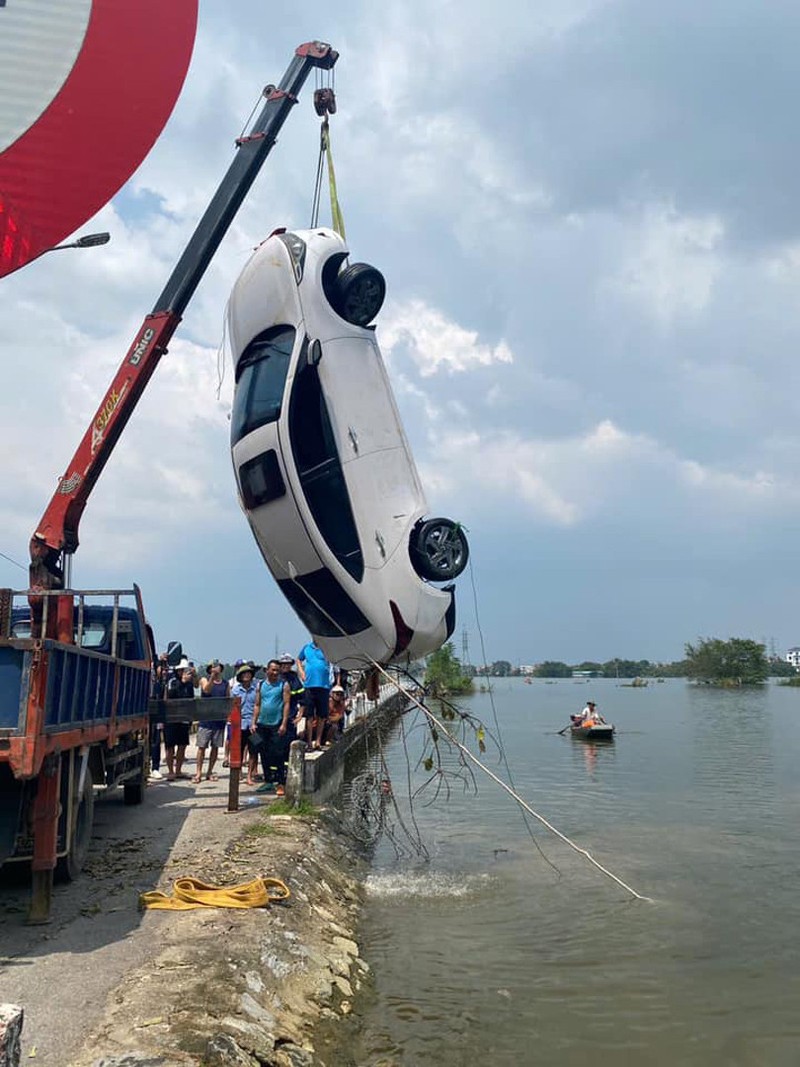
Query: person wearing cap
270 723
211 734
176 734
337 709
246 690
589 713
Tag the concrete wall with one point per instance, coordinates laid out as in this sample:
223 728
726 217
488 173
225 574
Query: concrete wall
322 773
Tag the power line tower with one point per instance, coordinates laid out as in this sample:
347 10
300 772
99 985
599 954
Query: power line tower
465 647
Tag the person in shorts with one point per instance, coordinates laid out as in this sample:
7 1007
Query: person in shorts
176 734
210 735
337 709
315 674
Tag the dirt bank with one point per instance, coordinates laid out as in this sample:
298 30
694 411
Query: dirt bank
242 988
107 984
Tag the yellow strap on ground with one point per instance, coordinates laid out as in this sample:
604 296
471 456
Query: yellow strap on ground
188 893
336 212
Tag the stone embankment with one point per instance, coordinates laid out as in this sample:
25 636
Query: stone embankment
230 988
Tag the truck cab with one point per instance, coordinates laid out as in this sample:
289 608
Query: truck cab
74 716
133 641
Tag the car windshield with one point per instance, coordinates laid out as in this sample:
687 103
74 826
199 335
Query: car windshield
261 377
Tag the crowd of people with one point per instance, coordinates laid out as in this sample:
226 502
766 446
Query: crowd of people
302 698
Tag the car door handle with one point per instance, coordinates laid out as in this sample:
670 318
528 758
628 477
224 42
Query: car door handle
379 541
351 433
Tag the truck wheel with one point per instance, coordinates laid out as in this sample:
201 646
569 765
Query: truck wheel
133 792
70 866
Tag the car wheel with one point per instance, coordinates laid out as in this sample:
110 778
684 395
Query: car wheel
439 549
359 293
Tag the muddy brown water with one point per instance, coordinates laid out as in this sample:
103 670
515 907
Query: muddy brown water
485 953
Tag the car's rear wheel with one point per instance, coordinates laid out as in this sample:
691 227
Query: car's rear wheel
359 293
439 549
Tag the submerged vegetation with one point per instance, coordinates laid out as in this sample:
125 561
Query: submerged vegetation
444 674
736 662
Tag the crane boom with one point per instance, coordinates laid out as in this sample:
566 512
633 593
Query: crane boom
56 536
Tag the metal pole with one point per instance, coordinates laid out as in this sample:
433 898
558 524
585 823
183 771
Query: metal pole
235 756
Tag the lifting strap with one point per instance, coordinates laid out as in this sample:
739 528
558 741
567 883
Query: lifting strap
189 893
336 211
326 157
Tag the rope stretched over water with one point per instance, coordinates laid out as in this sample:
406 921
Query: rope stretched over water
512 793
474 759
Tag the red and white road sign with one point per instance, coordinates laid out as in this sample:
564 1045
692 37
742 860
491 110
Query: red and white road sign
86 87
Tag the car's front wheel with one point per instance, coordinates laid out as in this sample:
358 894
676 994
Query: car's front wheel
359 293
439 549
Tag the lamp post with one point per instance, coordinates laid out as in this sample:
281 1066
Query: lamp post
89 240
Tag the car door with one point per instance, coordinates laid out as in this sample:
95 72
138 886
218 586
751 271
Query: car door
382 480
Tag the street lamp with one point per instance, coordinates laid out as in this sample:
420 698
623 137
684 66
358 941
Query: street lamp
89 240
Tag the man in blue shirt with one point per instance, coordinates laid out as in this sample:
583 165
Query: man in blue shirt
270 722
315 674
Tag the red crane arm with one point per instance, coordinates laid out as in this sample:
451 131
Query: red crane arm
56 535
57 531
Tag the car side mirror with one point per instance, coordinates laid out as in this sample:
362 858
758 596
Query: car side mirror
174 653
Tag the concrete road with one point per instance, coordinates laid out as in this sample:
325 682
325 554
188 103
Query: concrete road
62 973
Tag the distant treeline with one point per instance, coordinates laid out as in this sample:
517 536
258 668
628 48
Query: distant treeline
617 668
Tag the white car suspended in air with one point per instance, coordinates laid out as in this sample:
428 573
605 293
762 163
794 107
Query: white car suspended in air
324 470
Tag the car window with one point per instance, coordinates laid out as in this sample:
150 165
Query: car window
95 635
260 381
261 480
320 470
323 606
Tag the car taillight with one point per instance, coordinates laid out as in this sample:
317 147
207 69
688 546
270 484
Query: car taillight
402 629
297 251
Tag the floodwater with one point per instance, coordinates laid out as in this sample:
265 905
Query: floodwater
486 954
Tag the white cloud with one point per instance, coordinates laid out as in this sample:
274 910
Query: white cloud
601 474
671 263
435 343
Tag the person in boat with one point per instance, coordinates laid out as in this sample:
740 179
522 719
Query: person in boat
590 713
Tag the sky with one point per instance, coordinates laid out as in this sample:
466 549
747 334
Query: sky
588 216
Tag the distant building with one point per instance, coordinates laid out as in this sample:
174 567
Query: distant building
527 668
793 657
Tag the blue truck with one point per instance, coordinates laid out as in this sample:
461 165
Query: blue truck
73 717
